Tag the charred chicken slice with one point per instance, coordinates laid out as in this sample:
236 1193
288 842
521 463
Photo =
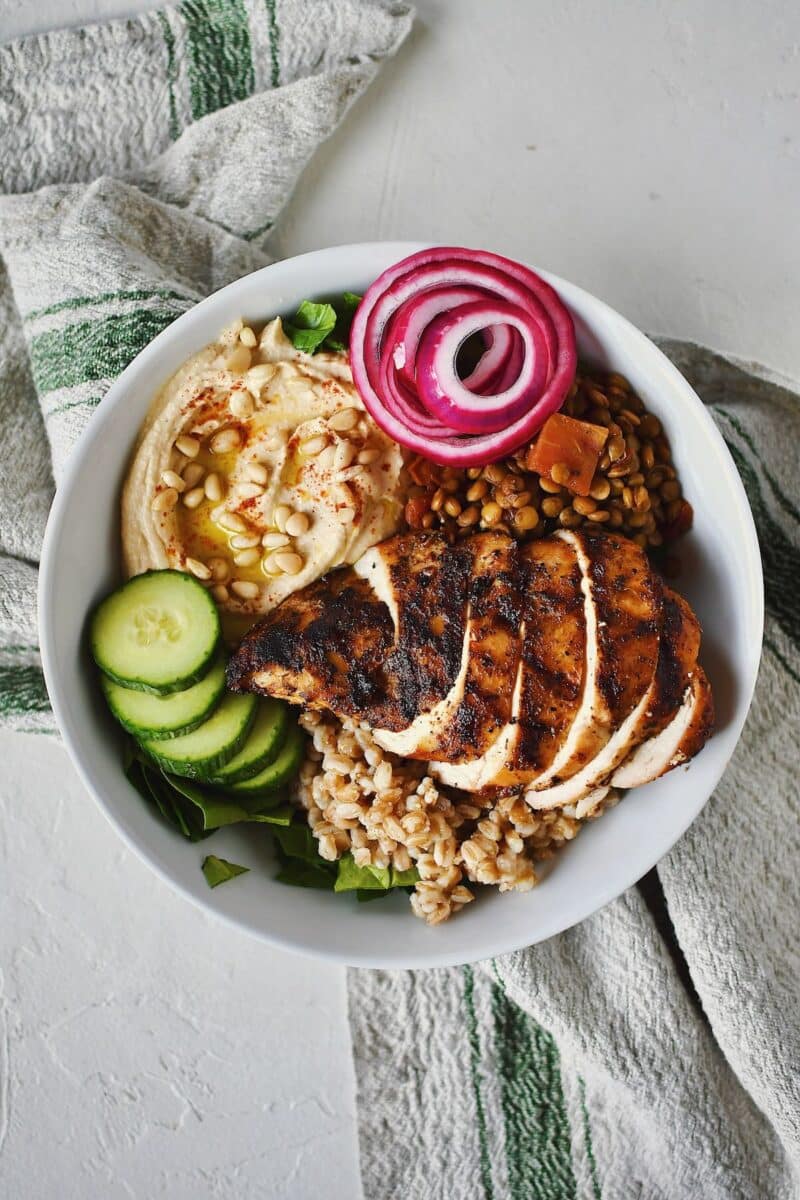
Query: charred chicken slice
559 667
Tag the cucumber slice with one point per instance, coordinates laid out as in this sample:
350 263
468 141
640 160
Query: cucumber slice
207 748
156 717
280 771
263 743
157 633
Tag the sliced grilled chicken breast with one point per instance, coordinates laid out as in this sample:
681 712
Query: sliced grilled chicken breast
679 741
547 687
628 607
560 667
478 704
327 648
623 617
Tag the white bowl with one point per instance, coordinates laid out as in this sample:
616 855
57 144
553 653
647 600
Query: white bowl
80 564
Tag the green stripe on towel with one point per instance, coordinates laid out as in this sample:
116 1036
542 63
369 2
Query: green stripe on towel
786 504
22 691
90 350
220 58
538 1143
274 44
172 74
587 1138
780 557
108 298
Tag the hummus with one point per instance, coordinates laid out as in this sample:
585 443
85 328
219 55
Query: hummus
258 470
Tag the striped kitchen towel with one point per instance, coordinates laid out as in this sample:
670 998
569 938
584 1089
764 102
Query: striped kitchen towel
143 164
652 1052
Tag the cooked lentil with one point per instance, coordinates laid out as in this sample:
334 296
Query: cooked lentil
635 489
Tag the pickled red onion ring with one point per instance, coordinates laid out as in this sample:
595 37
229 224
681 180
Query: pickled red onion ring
416 395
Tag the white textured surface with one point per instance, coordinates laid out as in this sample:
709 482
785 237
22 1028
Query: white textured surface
649 151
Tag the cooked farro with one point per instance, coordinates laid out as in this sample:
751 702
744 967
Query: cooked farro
386 810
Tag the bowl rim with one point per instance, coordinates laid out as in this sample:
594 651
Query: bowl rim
552 923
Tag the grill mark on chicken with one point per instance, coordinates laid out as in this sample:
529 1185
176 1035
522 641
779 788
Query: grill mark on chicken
328 648
432 591
495 607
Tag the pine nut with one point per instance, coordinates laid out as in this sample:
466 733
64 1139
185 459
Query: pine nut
197 568
164 501
344 455
245 589
313 446
584 505
194 498
232 522
247 337
344 420
600 515
281 516
298 524
248 491
258 377
256 472
213 487
225 441
220 593
274 541
291 564
325 459
192 474
247 558
245 541
172 479
368 456
238 360
187 445
241 404
270 566
491 513
219 569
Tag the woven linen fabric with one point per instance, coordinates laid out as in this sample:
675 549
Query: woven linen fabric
143 164
589 1066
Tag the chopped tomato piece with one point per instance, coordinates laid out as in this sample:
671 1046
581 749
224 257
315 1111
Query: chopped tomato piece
421 471
572 447
416 508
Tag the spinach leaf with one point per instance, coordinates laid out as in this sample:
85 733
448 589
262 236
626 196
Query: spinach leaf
351 878
301 862
219 870
404 879
325 326
345 311
300 874
311 324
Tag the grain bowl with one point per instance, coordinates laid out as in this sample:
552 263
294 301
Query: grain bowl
654 414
